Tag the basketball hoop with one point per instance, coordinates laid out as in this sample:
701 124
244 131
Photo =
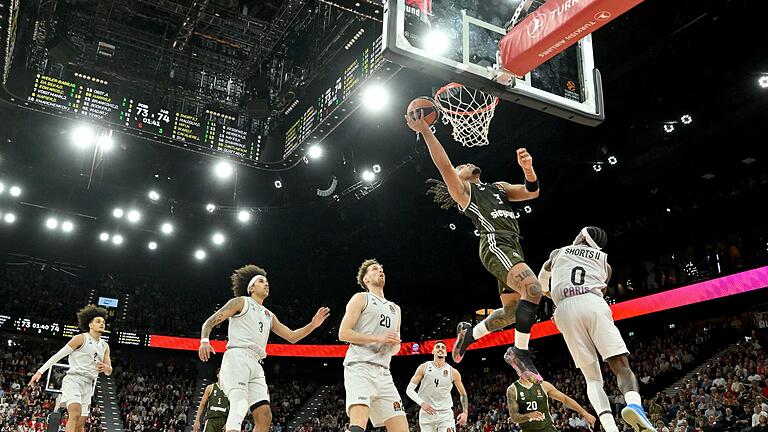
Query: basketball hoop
468 111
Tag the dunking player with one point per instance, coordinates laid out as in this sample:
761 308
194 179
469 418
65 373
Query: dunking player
489 207
577 275
88 356
371 326
436 414
528 405
217 407
242 377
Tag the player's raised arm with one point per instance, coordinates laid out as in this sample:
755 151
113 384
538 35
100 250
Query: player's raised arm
294 336
458 188
566 400
354 309
462 420
201 408
231 308
73 344
529 190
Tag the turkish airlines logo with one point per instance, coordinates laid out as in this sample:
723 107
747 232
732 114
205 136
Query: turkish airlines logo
602 16
536 26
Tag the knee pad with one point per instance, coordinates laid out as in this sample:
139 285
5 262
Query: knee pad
238 407
525 316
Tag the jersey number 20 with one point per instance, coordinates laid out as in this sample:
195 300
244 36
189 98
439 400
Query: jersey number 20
531 406
385 321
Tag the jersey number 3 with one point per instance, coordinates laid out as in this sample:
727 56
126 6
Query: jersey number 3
385 321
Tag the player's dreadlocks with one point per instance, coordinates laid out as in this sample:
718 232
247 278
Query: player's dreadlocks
441 194
87 314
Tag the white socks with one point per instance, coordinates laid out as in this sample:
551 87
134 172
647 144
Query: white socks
633 398
521 340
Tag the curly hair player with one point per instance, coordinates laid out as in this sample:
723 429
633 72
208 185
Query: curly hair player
88 357
489 207
241 376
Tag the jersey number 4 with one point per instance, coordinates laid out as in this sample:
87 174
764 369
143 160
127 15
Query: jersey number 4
385 321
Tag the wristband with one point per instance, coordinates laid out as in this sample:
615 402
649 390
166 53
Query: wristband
532 186
204 340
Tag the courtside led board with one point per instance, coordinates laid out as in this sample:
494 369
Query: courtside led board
458 40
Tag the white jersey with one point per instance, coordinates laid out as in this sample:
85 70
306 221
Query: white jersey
578 270
378 317
250 328
436 386
82 361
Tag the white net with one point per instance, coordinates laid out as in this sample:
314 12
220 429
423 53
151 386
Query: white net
468 111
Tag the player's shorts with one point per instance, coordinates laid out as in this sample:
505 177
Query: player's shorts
499 253
216 424
442 421
240 369
77 389
371 385
587 324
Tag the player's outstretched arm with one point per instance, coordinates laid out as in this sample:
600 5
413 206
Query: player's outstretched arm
105 367
231 308
73 344
514 409
556 394
201 408
462 420
294 336
414 395
458 188
529 190
354 308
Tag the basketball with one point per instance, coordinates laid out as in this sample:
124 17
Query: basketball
425 106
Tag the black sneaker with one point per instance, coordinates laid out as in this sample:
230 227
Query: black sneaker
521 361
464 339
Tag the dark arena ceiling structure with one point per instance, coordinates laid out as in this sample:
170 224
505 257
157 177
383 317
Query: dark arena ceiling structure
174 87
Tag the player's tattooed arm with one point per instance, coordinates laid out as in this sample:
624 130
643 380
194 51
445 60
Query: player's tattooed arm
464 403
514 408
231 308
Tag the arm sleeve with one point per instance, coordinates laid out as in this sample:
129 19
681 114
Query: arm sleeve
411 392
544 277
63 352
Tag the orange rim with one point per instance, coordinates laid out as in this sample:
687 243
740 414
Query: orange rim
451 86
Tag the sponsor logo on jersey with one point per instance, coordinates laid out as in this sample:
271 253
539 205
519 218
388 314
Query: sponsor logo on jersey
397 406
538 393
392 308
266 313
502 213
445 372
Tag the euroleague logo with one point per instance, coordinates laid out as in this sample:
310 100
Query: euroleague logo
537 25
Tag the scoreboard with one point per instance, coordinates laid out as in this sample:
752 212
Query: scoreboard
343 87
93 98
50 328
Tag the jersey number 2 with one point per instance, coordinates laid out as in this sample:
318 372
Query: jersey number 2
577 275
385 321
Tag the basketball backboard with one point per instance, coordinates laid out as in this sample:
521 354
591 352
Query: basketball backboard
458 40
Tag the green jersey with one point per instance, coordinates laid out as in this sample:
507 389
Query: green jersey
218 404
533 399
490 210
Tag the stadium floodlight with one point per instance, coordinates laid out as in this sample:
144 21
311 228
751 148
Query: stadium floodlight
452 226
527 209
278 184
612 160
763 81
153 195
67 226
669 128
14 191
51 223
152 245
83 136
9 218
200 254
368 176
117 239
376 169
375 97
105 142
166 228
597 167
243 216
210 207
118 213
104 237
223 169
315 151
217 239
2 187
133 216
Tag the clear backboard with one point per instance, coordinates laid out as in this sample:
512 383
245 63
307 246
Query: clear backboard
458 40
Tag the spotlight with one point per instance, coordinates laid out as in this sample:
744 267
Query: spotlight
14 191
436 42
67 226
243 215
105 142
9 218
278 184
2 187
376 169
669 128
152 245
200 254
368 176
118 213
669 210
686 119
375 97
104 237
166 228
133 216
210 208
153 195
117 239
217 238
597 167
612 160
83 136
452 227
315 151
763 81
223 169
527 209
51 223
